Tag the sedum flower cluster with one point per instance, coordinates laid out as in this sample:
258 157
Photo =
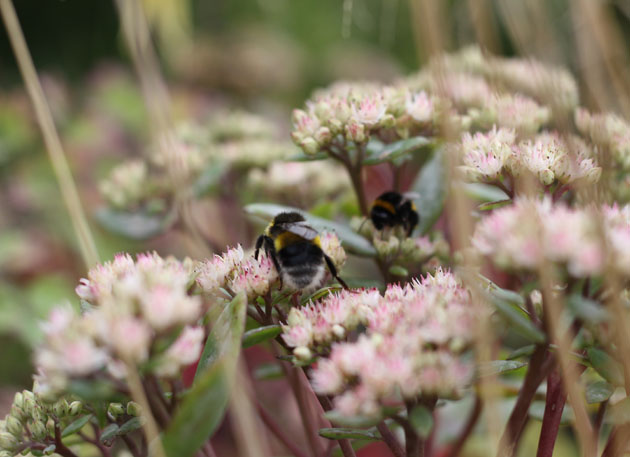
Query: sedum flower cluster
410 343
228 141
354 112
489 156
236 272
134 312
300 184
523 235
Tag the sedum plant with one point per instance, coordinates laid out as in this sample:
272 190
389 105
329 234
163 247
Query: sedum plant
516 277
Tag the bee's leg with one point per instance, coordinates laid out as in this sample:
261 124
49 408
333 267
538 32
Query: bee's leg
259 243
271 252
333 271
409 217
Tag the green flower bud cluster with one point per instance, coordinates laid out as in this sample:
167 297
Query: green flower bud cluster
32 420
116 411
394 246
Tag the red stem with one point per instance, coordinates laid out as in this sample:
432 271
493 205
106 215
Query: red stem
554 405
390 440
540 365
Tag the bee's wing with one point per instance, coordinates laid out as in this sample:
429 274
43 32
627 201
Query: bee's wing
300 229
411 195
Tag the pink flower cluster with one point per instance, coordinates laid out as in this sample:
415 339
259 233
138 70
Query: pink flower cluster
411 346
608 130
548 156
133 308
358 110
524 234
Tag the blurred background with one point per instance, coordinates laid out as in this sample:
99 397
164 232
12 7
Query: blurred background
261 56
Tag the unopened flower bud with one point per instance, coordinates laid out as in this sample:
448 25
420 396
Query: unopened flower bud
75 408
547 177
29 402
323 111
61 408
50 427
335 126
18 400
302 353
13 426
134 409
38 430
309 145
388 121
18 413
8 441
339 331
537 300
322 136
355 132
116 409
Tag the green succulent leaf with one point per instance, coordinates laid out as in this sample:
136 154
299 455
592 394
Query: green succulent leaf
109 433
598 391
138 225
496 367
484 192
351 422
76 425
606 366
340 433
431 186
394 151
260 334
588 310
204 405
421 420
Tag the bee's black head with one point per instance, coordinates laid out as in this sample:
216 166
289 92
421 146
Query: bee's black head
284 218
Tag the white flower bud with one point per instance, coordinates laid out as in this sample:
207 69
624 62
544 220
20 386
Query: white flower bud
14 426
116 409
38 430
7 441
339 331
302 353
309 145
355 132
75 408
18 400
134 409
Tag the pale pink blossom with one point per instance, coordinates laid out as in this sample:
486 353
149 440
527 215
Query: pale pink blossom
485 155
185 350
420 107
369 109
131 338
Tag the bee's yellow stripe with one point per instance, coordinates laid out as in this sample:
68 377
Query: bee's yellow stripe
385 205
287 238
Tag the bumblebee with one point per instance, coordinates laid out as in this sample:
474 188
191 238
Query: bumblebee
295 249
392 209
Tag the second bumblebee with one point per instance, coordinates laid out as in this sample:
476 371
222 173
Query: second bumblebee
392 209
